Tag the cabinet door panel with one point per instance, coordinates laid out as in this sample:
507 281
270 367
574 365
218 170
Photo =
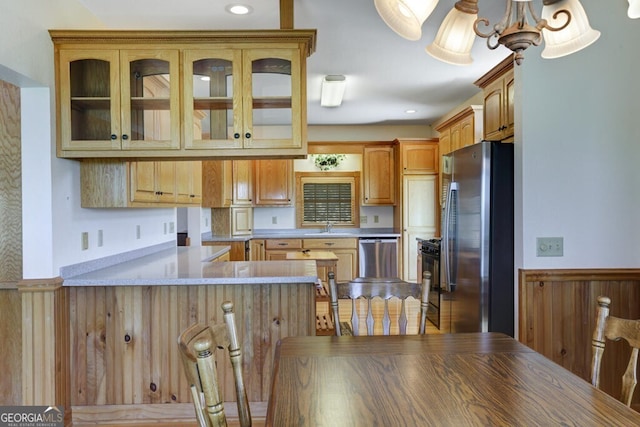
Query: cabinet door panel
212 77
143 182
493 111
379 185
150 95
89 100
242 183
272 88
273 182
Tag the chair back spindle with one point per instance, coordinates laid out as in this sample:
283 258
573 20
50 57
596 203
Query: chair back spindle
365 290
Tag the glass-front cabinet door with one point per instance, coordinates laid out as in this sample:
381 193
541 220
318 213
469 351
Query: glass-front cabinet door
90 99
272 114
150 99
242 98
119 100
212 107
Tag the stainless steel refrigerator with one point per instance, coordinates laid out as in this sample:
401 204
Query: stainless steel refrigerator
477 239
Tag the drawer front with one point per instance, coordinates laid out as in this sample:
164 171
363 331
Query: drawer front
328 244
283 244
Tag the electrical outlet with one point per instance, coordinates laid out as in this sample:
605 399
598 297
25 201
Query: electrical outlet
165 228
363 219
206 222
549 246
274 220
172 227
85 240
376 219
137 232
100 238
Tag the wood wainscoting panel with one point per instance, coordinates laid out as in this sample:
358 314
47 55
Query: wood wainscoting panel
10 185
124 347
557 318
11 360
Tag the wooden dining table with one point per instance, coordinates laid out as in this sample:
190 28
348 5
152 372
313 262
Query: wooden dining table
473 379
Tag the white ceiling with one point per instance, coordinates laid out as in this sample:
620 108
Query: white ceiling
386 74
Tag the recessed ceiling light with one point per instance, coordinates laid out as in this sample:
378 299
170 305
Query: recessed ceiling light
238 9
411 111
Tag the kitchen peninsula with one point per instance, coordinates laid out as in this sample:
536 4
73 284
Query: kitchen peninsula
116 340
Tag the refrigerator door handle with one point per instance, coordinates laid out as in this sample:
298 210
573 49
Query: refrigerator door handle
450 285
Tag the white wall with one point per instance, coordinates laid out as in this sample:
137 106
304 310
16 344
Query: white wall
52 218
579 148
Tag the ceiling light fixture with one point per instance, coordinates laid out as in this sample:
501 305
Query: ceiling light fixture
332 90
564 27
238 9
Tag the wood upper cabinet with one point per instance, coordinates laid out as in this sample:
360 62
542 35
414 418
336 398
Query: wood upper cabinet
378 171
232 91
460 130
242 183
273 182
217 183
107 183
226 87
189 182
418 156
118 100
499 90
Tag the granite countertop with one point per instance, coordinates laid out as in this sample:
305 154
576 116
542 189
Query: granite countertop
297 233
186 265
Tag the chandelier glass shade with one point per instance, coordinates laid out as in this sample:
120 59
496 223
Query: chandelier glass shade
455 36
634 9
576 36
405 17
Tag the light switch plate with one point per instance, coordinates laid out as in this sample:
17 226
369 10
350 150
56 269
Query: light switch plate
85 240
549 246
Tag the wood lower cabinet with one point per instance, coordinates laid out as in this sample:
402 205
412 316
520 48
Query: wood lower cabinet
106 183
378 175
498 86
239 250
346 249
257 250
104 110
276 249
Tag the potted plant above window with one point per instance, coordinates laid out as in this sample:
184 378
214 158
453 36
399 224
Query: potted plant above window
326 162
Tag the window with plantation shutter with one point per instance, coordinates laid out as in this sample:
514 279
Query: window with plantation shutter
327 197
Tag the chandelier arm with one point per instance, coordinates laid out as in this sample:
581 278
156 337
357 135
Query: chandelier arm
497 28
555 16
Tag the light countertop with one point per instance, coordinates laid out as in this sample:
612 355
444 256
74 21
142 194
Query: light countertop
186 265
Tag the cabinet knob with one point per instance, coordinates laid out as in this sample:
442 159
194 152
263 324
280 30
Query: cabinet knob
236 135
247 135
114 136
125 136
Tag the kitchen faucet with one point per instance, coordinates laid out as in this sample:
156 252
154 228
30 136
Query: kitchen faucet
328 227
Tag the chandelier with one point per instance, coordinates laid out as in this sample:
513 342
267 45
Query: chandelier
563 25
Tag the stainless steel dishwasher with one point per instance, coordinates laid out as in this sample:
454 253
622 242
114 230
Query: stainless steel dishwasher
378 257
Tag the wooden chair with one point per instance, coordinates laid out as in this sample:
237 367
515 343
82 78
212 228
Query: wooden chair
197 346
615 329
366 289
